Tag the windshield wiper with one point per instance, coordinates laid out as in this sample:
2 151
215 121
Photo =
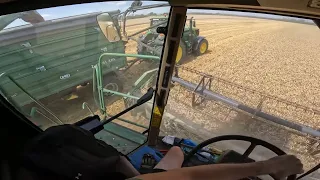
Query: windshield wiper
145 98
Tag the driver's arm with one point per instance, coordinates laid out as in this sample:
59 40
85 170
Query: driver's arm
279 167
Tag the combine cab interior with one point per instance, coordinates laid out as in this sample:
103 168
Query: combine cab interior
143 76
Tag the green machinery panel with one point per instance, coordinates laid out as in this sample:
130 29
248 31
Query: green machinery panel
123 139
53 56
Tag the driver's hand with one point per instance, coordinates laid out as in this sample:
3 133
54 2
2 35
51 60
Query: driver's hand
284 166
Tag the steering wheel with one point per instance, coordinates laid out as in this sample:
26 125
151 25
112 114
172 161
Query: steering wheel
253 143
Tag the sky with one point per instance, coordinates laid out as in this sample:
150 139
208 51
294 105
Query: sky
72 10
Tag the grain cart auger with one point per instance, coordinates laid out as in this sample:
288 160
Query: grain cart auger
115 29
31 17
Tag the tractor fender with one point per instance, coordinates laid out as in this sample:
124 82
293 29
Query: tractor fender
196 42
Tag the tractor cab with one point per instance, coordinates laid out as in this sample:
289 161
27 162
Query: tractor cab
192 43
191 22
144 84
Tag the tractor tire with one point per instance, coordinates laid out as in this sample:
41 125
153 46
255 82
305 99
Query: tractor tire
111 82
181 54
202 47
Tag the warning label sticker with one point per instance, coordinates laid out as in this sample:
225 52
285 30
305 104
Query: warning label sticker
157 116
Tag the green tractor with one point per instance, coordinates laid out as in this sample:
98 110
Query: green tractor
191 42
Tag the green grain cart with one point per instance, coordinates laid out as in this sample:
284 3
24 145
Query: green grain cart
54 56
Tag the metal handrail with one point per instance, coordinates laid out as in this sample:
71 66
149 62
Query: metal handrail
99 74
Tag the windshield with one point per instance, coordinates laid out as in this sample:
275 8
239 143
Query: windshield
51 72
249 74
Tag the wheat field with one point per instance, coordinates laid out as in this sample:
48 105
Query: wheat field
275 58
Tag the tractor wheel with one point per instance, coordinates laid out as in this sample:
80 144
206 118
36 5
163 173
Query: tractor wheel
181 54
202 47
112 83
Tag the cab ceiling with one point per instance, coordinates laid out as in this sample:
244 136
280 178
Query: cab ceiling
300 8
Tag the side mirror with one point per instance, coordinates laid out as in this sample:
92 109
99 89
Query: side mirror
108 28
